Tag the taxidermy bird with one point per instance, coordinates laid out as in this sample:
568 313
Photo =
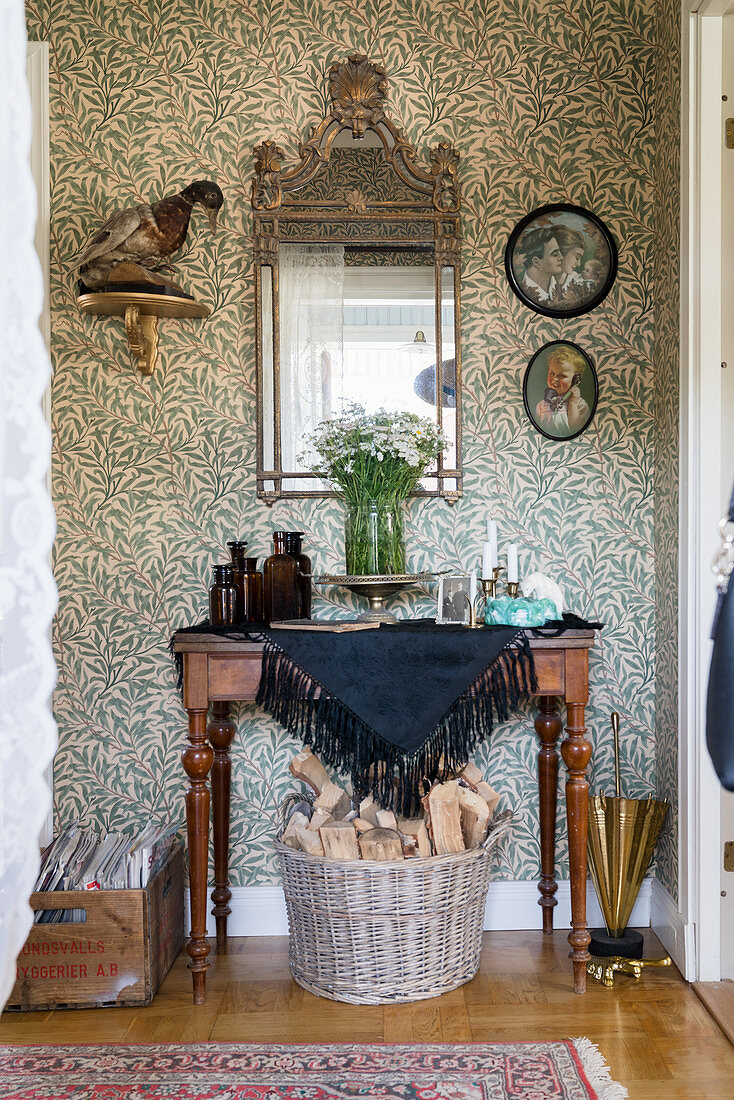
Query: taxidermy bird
145 235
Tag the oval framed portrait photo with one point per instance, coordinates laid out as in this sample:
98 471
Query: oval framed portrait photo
560 390
561 260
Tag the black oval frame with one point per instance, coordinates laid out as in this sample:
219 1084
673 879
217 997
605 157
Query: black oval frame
594 375
561 208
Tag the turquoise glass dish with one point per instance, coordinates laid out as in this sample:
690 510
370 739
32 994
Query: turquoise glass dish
504 611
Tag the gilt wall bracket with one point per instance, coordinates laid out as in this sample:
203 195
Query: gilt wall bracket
141 312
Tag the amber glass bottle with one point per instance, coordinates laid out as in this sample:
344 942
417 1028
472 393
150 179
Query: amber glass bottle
222 597
281 596
253 591
237 551
294 547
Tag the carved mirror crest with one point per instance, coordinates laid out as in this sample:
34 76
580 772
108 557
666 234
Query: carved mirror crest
357 280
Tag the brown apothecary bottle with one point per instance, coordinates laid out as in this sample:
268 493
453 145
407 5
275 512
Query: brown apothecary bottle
237 551
253 591
222 597
281 596
294 547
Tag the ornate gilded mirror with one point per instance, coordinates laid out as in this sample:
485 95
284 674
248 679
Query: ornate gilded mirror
357 275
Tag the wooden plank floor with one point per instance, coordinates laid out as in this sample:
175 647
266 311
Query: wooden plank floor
656 1034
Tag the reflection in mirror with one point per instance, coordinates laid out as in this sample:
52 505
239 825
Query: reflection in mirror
358 326
448 366
345 139
268 382
311 342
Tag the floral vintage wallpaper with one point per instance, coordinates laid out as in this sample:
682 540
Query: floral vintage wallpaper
545 101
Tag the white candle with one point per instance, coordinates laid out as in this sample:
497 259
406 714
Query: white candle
486 561
491 530
493 559
473 586
512 573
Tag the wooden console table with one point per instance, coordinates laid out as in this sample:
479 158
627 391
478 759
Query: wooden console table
218 671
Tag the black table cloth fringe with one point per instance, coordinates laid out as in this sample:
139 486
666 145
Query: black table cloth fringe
345 742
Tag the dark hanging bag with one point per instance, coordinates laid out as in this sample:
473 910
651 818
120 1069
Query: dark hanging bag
720 698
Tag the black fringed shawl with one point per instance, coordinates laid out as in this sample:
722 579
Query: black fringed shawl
395 706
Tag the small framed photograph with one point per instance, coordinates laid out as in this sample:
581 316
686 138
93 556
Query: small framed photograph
560 390
453 598
561 260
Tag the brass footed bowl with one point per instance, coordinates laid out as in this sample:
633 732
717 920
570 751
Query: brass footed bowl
375 589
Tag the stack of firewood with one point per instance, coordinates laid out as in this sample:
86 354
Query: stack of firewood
456 817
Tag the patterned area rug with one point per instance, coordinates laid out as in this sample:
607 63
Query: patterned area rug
567 1070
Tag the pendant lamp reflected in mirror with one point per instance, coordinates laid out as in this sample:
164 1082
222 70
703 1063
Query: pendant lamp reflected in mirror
418 349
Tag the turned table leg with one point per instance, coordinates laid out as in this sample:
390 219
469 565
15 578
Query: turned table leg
197 760
548 727
576 751
221 734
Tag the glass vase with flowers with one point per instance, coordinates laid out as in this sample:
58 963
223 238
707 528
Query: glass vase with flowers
375 460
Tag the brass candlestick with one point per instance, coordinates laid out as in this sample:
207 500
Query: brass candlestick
473 623
489 584
513 589
489 588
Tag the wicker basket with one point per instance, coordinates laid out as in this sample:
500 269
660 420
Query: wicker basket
367 932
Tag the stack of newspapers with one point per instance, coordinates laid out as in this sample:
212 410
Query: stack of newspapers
81 860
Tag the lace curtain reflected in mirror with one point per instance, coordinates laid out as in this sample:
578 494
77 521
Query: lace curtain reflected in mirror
311 346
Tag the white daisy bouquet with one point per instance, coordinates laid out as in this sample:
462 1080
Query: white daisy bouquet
375 460
374 456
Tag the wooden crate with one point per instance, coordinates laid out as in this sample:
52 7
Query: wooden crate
118 956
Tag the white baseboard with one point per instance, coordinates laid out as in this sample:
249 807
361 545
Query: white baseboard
511 906
669 925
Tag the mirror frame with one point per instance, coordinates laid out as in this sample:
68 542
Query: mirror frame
429 218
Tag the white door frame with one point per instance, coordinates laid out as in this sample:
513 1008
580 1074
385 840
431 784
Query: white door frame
37 62
700 845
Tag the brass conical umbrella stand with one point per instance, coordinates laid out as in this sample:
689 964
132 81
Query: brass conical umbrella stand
623 833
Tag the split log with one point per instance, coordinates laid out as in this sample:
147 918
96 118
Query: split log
490 796
340 840
292 842
382 844
369 809
334 799
386 820
319 818
361 825
474 816
295 821
414 833
302 807
471 776
310 841
309 768
444 818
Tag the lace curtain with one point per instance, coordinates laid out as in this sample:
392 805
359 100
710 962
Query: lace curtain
311 342
27 592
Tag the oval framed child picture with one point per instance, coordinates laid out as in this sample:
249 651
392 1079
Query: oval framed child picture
560 390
